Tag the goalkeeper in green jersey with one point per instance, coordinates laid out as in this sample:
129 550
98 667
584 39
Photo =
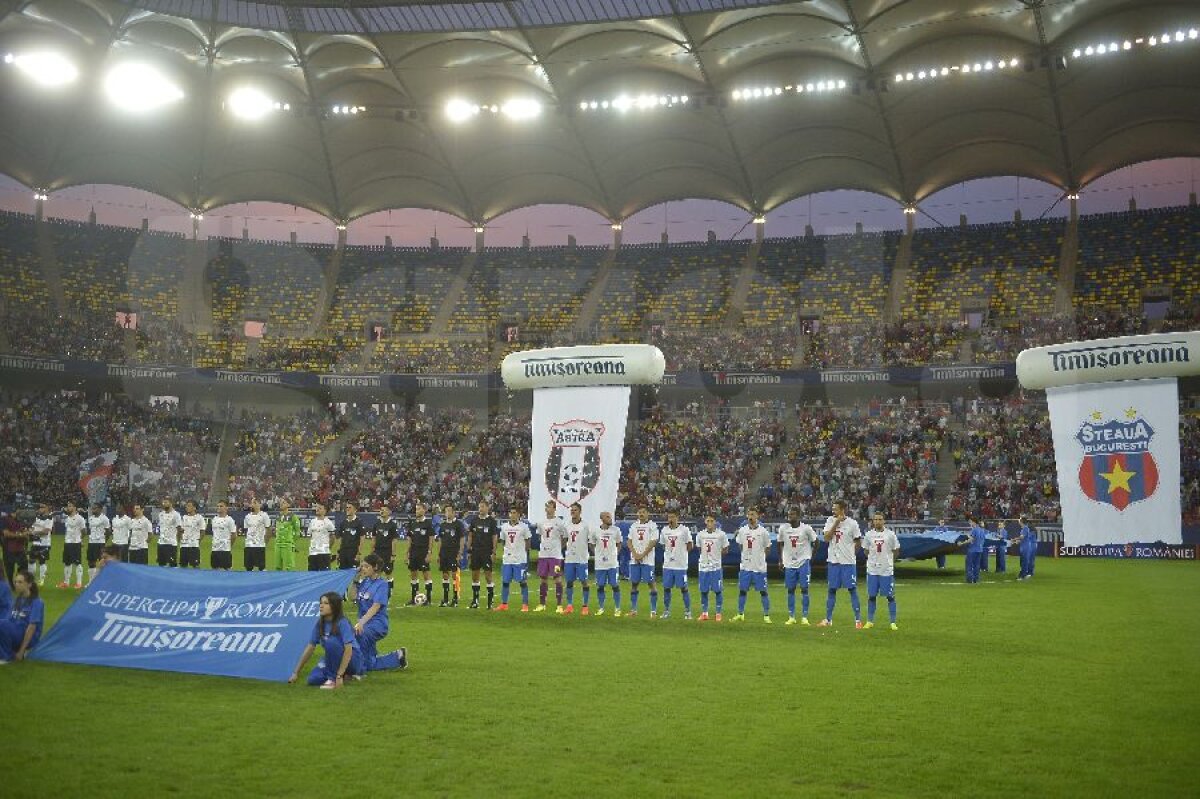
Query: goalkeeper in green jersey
287 533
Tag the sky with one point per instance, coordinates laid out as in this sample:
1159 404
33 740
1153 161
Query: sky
1152 184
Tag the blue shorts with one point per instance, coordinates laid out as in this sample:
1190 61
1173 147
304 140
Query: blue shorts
607 577
674 578
640 573
798 576
843 575
878 584
711 581
748 580
575 571
513 572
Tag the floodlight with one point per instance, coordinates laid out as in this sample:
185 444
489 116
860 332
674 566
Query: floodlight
521 108
250 104
44 68
458 110
138 87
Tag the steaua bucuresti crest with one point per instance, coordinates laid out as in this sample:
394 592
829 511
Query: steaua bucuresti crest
1118 468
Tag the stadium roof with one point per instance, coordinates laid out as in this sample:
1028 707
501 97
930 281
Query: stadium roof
1009 88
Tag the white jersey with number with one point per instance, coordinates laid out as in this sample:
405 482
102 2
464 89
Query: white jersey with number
193 528
577 542
120 529
224 528
754 542
169 523
319 533
841 546
98 527
675 542
74 526
42 528
711 544
606 542
256 528
553 533
881 546
516 543
796 544
641 535
139 532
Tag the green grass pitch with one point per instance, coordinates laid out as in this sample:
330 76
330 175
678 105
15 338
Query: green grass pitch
1082 682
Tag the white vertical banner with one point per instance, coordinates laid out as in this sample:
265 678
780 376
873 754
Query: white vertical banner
578 440
1116 446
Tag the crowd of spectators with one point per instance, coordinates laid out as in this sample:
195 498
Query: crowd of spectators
908 343
273 454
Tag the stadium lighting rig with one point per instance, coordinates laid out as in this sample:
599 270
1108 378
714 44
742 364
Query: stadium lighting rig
139 88
947 70
642 102
47 69
518 109
1110 47
770 92
251 104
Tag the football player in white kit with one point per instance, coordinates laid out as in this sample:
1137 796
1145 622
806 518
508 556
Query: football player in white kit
140 529
576 566
843 535
676 540
189 540
120 533
883 547
73 526
796 540
754 540
98 526
170 525
553 533
642 541
224 530
256 522
515 535
320 533
39 551
606 544
713 544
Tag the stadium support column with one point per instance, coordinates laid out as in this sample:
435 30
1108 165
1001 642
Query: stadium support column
760 226
616 229
479 237
1068 258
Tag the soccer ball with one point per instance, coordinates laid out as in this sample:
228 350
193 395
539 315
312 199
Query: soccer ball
420 600
571 478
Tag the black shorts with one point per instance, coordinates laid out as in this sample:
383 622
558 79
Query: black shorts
481 561
39 554
318 563
220 560
166 554
347 560
93 553
448 561
72 554
189 557
139 556
418 561
388 562
254 558
124 550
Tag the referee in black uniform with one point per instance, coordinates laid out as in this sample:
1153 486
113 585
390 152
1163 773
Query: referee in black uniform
350 538
482 535
453 535
385 532
420 533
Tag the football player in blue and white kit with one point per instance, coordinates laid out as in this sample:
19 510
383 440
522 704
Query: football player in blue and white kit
754 540
713 544
576 560
882 550
796 540
676 540
843 535
515 535
606 544
552 534
642 541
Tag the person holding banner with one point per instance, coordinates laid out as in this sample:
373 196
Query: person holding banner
370 592
976 547
139 537
1027 546
342 653
320 532
21 631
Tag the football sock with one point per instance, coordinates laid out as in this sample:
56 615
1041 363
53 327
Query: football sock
741 602
653 599
474 592
570 593
504 593
445 590
586 592
720 600
491 593
616 597
870 608
633 598
854 603
704 602
429 590
892 608
557 593
524 593
542 593
415 586
791 601
687 600
804 602
829 603
766 600
667 600
600 595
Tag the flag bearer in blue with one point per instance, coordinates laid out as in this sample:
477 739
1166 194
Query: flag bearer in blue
371 594
1027 546
975 548
941 528
21 631
342 654
1002 547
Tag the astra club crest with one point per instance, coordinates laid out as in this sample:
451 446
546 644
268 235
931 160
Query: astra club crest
573 466
1118 467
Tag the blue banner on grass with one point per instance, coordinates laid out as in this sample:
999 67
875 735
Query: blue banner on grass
232 624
